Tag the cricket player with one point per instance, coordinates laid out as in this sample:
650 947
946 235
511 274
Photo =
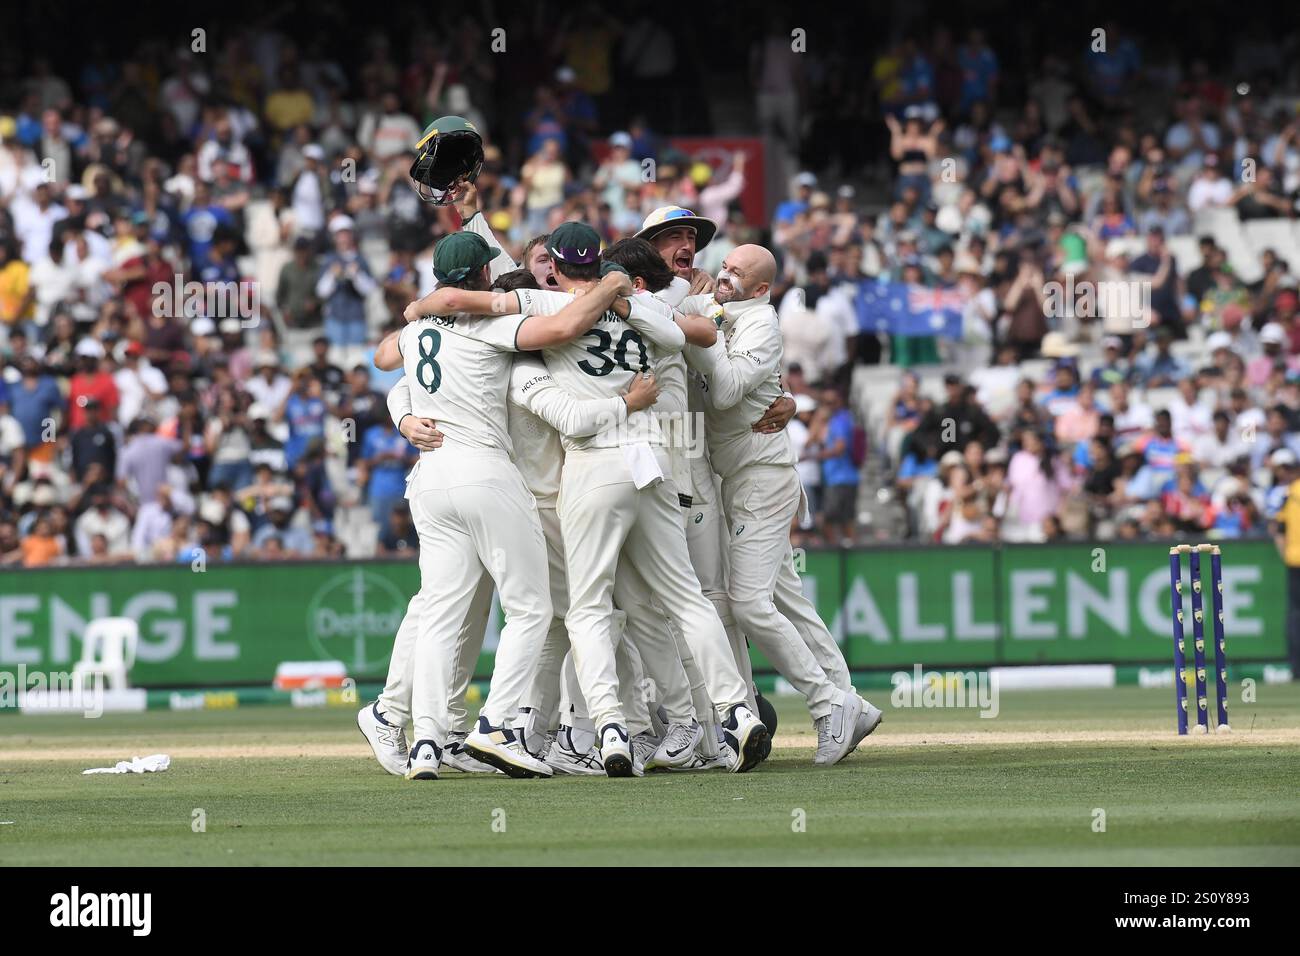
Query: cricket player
472 509
661 331
677 235
617 498
761 495
383 722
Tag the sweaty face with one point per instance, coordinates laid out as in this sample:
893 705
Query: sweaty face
540 265
677 246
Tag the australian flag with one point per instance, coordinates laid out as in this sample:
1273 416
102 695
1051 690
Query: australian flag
898 308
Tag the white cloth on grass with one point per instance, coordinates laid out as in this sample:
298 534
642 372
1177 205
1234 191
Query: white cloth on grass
154 763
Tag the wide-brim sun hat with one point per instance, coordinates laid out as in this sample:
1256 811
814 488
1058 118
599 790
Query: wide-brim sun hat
674 217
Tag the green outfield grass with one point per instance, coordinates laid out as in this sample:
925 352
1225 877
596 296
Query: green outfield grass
901 799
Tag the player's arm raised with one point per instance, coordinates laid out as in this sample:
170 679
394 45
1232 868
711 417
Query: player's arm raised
547 331
753 357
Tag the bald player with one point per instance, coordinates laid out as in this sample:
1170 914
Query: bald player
761 494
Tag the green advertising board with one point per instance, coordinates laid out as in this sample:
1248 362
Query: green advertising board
890 608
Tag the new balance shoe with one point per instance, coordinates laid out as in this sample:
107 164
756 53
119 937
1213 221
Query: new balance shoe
677 748
388 741
746 736
425 758
500 747
835 730
455 757
643 748
616 752
868 721
564 757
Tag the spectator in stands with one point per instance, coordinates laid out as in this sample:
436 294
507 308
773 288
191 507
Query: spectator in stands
839 471
398 536
345 282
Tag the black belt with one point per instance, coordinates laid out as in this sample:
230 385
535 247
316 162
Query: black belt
684 500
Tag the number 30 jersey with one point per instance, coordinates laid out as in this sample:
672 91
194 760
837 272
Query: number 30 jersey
602 362
458 370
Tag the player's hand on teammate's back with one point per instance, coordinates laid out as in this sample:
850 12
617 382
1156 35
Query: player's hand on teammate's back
776 417
421 432
412 312
642 393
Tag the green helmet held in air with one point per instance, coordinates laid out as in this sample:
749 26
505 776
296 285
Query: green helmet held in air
449 153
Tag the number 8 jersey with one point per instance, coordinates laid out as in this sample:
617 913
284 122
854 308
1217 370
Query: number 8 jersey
602 362
458 370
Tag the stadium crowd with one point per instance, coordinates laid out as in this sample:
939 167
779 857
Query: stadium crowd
137 426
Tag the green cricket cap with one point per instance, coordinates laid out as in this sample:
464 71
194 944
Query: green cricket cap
457 255
574 243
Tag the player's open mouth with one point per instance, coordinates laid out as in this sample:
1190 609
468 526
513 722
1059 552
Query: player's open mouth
682 263
550 281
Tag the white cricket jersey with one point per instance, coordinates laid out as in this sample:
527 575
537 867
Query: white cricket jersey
540 412
602 362
741 378
458 371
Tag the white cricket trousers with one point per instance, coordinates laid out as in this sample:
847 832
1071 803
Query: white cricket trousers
760 503
473 513
395 698
708 540
603 514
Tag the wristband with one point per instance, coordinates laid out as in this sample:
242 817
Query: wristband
402 419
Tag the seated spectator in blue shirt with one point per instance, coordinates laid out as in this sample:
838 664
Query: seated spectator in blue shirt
385 459
291 539
304 411
1160 368
34 401
804 184
1115 367
399 537
1065 388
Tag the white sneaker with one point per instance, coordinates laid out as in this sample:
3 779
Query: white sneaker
643 749
678 747
615 751
425 758
564 758
868 721
747 737
388 741
835 730
500 747
456 757
721 761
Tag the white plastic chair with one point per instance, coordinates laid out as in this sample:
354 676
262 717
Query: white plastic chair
108 648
